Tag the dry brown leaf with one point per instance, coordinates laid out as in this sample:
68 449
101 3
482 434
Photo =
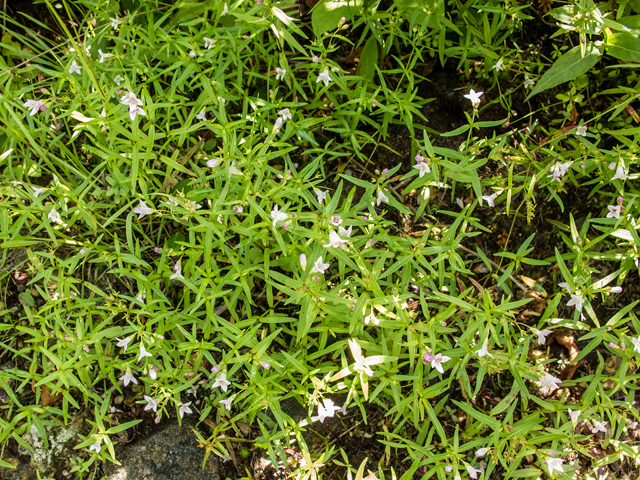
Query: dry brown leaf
47 399
567 340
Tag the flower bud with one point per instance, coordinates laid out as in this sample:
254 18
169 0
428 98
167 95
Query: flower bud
266 366
192 53
481 453
215 369
616 289
157 250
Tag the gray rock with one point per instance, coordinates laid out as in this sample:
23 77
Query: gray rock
173 453
22 471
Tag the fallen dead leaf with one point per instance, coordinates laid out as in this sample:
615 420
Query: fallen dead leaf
47 399
567 340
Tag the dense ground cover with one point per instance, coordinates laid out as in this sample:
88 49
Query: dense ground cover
415 220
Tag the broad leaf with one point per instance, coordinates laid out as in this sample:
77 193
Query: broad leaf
624 47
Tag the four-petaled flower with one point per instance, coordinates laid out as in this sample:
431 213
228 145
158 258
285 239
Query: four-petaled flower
528 82
335 220
128 377
599 427
151 404
361 364
381 198
549 383
438 360
143 352
326 410
614 211
319 267
137 110
37 191
472 471
334 240
577 300
423 168
280 73
227 402
575 416
484 351
371 319
322 195
277 215
566 286
103 55
202 115
555 464
620 175
222 382
636 344
498 66
118 79
542 335
54 216
581 130
184 408
474 97
286 114
34 105
124 342
177 268
115 22
143 210
96 446
208 43
490 199
74 68
324 77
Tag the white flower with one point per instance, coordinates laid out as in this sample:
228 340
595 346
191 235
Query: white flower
438 360
143 352
37 191
481 452
286 114
577 300
484 351
225 10
371 319
278 124
222 382
227 402
474 97
575 416
208 43
555 464
233 170
213 163
620 175
566 286
118 79
636 344
103 56
381 198
151 404
96 446
549 383
423 167
115 22
177 268
542 335
133 111
556 174
322 195
184 408
324 77
460 202
614 211
334 240
54 216
303 261
581 130
124 342
152 372
564 167
599 427
335 220
201 116
528 82
74 68
473 472
34 105
319 267
498 66
278 215
490 199
141 297
361 364
328 410
280 73
128 377
345 232
130 99
143 210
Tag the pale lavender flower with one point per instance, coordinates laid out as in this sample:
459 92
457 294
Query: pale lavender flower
143 210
